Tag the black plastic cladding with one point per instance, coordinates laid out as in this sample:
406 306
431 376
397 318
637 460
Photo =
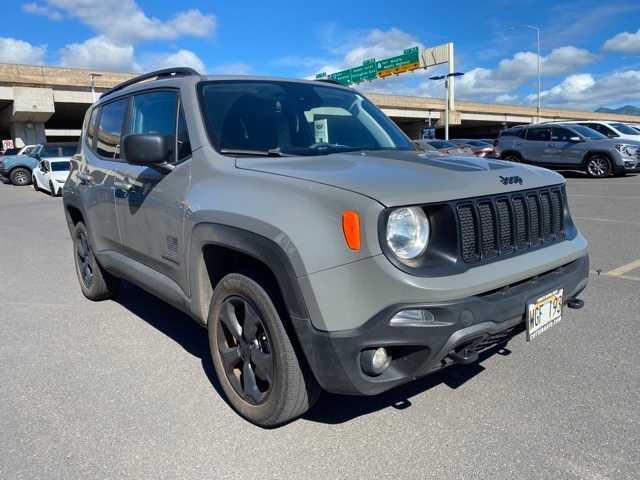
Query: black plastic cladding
513 225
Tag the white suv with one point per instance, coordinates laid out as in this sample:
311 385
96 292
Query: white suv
610 129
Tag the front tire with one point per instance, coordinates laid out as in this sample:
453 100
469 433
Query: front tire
20 176
262 377
34 182
96 284
598 166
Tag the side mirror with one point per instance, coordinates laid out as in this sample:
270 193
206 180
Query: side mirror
152 150
575 139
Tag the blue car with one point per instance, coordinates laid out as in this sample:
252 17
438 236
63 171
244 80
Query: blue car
18 169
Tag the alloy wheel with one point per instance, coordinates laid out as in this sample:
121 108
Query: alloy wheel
598 167
20 178
83 253
245 350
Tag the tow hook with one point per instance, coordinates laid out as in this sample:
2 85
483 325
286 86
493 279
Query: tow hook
464 356
575 303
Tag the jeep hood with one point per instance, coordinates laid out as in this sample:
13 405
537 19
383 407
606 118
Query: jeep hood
403 177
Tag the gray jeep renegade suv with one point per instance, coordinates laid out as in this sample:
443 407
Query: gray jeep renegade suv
294 220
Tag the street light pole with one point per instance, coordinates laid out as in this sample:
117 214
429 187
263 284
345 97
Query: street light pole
93 76
446 98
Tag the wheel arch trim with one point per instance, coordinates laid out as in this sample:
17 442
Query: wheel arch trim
245 242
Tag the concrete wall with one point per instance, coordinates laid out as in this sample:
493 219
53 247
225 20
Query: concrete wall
33 96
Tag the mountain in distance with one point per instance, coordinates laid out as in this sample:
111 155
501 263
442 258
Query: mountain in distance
626 110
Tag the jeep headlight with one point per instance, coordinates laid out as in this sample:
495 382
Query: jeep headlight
627 150
407 232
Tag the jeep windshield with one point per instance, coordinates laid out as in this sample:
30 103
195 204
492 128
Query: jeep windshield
280 118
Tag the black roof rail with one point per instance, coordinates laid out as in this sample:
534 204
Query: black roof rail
164 73
330 80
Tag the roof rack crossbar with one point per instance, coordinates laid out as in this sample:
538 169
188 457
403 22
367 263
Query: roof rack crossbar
164 73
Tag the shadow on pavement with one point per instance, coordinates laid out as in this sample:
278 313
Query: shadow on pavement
335 409
330 409
173 323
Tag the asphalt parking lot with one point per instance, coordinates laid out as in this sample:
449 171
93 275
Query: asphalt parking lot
125 389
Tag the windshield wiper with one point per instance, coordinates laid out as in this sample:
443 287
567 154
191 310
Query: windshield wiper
272 152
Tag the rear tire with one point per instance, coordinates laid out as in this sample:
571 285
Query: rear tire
20 176
95 282
262 377
598 166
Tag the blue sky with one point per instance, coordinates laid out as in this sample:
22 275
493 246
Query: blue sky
591 49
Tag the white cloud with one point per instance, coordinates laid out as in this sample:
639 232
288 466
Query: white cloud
584 91
123 21
625 42
18 51
513 72
44 10
181 58
506 98
99 53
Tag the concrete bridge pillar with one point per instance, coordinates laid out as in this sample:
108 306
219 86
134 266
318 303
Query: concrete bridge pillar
26 116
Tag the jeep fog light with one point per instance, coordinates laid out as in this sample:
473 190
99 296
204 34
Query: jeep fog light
412 318
375 361
407 232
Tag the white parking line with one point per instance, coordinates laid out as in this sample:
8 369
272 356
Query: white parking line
611 197
607 220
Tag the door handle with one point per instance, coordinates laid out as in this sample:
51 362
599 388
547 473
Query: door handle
84 178
125 186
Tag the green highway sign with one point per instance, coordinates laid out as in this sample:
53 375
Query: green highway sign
411 56
371 69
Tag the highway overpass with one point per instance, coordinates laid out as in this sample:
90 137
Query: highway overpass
43 102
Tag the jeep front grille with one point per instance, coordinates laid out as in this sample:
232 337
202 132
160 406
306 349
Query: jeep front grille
490 227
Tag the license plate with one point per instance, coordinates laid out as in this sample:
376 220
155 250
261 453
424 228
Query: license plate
544 313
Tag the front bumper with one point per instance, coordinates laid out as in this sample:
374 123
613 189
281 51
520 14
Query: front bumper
461 328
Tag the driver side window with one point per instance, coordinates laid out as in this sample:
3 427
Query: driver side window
155 113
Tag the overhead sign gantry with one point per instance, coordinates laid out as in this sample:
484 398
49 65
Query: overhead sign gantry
411 59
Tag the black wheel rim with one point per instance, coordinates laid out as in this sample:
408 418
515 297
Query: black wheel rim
598 167
245 350
83 254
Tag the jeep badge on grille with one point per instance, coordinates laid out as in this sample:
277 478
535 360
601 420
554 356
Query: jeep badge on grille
511 180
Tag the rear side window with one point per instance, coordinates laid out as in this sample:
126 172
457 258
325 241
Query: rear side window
603 129
539 134
110 128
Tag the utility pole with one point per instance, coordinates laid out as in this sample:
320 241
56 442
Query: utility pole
448 77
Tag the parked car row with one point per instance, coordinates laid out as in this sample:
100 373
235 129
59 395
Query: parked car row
458 146
46 166
574 146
